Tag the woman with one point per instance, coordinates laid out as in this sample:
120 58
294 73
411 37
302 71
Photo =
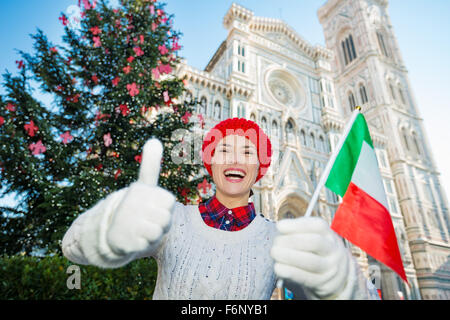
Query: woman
220 249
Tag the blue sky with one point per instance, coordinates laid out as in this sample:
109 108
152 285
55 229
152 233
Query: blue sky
421 27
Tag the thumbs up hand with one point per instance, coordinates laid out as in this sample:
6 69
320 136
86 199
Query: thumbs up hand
144 213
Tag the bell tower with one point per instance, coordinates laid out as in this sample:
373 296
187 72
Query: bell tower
369 71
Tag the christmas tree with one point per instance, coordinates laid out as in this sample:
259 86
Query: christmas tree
113 88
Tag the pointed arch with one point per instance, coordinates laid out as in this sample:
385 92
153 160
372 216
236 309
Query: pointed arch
275 128
351 101
363 93
264 124
203 105
217 110
290 129
417 146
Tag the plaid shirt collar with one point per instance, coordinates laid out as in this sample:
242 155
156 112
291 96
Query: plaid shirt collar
218 216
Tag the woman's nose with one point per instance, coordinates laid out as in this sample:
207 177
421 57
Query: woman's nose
235 157
231 157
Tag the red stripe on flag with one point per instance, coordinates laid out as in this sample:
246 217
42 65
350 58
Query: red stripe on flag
366 223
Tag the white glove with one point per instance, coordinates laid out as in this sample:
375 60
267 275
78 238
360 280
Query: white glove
144 213
309 254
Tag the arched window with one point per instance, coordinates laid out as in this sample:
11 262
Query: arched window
382 159
416 143
303 137
363 94
203 105
290 131
392 91
313 141
348 49
217 110
351 101
241 66
241 50
400 93
241 111
264 124
226 111
405 139
323 146
275 128
382 44
253 117
336 141
432 215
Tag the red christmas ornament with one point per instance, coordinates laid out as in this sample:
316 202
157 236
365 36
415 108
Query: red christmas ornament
31 128
126 69
138 158
186 117
132 89
184 193
95 30
37 148
115 81
66 136
138 51
117 174
163 50
64 20
20 64
11 107
124 109
73 98
97 42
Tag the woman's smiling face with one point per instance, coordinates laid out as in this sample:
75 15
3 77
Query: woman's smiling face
234 166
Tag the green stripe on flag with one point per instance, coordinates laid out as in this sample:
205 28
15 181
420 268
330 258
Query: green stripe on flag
342 170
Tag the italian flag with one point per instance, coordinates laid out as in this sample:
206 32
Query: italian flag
363 217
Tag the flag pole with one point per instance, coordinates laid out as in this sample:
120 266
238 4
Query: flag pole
329 166
326 172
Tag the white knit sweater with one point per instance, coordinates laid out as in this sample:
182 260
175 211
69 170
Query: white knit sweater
195 261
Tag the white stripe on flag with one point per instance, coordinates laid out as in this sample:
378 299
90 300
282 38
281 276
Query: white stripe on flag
367 175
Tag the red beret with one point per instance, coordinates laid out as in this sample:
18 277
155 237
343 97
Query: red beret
241 127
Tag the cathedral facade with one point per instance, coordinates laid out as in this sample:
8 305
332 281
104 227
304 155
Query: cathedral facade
303 95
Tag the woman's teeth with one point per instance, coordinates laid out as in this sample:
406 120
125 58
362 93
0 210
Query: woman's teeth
234 175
